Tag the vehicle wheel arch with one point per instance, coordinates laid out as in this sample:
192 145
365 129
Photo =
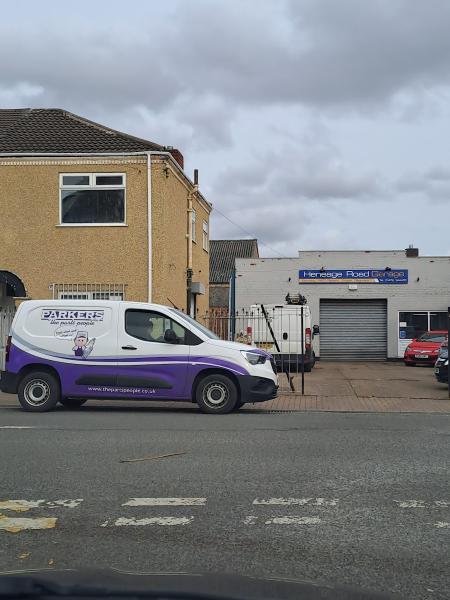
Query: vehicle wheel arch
214 371
38 367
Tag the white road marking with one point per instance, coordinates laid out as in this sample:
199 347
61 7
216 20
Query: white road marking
16 524
442 525
293 521
25 505
66 503
124 522
297 501
165 502
422 503
17 427
250 520
20 505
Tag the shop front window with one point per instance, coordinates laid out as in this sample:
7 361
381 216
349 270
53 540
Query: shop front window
412 324
438 321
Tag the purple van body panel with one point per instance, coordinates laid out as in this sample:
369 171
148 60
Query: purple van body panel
114 379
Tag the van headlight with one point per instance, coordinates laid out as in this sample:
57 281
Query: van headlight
253 358
446 363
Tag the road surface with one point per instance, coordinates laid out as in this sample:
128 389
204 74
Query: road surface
356 499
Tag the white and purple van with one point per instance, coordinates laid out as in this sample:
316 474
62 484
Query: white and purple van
69 351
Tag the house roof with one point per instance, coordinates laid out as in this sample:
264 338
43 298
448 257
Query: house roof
49 130
222 254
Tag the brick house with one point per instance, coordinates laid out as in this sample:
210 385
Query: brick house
90 212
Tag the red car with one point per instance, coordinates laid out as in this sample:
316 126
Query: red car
425 348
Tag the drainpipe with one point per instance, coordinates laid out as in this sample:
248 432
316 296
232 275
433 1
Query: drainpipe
149 227
189 270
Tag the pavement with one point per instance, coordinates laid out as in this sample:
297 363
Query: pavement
335 387
364 387
355 499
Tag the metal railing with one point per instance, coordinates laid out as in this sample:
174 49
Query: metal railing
278 330
6 319
88 291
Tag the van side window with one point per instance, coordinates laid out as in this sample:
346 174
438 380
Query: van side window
151 326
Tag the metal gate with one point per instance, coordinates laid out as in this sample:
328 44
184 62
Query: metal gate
6 318
353 329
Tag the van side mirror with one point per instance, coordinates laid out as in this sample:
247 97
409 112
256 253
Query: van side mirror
170 336
316 330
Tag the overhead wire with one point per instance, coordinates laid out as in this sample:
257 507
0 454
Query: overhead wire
260 240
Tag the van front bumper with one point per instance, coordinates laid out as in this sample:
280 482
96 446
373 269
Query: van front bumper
257 389
8 382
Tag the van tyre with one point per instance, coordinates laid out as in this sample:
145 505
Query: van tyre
39 391
216 394
73 403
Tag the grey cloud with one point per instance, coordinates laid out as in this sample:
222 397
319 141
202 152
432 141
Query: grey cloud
236 83
410 184
276 229
329 182
438 173
310 52
272 197
297 175
320 53
433 184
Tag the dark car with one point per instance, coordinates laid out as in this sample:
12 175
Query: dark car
441 366
425 348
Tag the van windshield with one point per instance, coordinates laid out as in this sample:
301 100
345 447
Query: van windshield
196 324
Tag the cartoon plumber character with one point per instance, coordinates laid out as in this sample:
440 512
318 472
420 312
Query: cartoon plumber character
82 345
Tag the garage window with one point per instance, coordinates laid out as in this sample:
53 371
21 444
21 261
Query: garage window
413 324
92 199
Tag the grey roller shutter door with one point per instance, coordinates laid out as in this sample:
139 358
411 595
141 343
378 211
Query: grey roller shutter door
353 329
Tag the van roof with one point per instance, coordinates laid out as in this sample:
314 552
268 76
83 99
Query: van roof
88 303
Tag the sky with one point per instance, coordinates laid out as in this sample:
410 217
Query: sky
314 124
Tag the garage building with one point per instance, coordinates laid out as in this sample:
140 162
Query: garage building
368 304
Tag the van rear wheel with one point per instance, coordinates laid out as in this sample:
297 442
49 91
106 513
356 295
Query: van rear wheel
216 394
73 403
39 391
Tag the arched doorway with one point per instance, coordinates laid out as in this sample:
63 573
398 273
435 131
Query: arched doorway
12 285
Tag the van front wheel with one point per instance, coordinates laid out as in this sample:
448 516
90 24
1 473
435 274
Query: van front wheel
39 391
216 394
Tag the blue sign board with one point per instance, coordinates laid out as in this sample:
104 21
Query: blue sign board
391 276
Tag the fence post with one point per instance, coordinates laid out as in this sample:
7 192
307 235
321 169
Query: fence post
232 303
302 355
277 346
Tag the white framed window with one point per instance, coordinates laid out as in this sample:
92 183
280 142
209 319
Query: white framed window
205 236
87 199
194 221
